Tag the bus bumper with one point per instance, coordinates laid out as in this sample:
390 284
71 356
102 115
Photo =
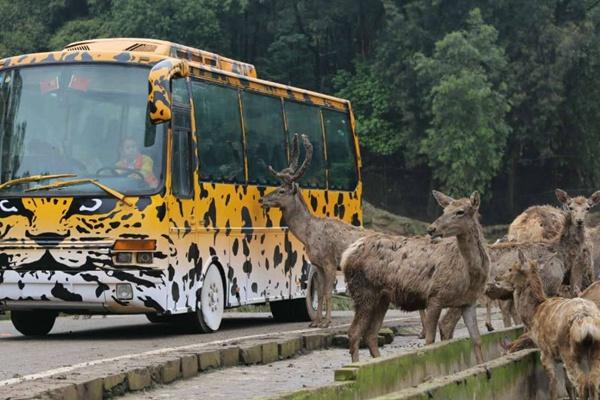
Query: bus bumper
94 292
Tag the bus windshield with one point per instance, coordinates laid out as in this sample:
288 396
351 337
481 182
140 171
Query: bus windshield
86 120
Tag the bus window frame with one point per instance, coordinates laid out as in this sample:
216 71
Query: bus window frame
202 180
161 129
354 153
176 131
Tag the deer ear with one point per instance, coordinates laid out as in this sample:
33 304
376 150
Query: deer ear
442 199
562 196
475 200
594 199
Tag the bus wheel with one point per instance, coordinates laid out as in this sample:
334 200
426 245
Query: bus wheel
33 323
298 310
209 311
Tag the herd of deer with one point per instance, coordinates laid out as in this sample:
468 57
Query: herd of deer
548 252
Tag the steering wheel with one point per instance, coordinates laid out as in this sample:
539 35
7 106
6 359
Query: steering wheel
117 171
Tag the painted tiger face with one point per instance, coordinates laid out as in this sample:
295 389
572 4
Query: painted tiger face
70 233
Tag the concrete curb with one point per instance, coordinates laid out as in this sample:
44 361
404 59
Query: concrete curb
380 376
138 373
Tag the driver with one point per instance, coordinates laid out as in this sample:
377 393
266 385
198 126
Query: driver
133 159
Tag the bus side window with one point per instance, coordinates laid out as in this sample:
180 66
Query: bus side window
306 119
219 133
340 151
265 137
182 164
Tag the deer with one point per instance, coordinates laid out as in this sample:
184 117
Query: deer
416 273
324 239
566 330
564 258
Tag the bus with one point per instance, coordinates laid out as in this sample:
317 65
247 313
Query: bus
130 177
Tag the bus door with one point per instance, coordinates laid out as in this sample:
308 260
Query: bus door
185 266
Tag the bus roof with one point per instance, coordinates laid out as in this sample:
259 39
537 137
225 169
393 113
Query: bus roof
208 65
165 48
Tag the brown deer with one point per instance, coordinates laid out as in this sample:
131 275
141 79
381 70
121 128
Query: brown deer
419 273
564 258
539 223
566 330
324 238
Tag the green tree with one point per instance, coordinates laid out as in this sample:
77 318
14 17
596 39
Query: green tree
466 91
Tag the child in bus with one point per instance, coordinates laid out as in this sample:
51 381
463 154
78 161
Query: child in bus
133 159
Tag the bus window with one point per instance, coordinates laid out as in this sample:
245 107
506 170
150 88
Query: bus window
340 151
219 131
265 137
182 165
302 118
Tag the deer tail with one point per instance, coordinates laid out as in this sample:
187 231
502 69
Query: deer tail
585 328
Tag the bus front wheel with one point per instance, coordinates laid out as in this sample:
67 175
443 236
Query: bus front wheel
33 323
209 311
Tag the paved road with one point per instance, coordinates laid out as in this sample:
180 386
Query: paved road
74 341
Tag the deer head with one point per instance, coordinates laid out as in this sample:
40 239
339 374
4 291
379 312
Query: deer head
577 207
284 195
459 217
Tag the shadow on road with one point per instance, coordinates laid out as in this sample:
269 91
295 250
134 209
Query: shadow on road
145 330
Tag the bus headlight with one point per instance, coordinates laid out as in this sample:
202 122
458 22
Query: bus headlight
124 291
144 258
123 257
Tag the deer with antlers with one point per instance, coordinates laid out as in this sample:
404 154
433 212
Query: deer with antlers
324 239
419 273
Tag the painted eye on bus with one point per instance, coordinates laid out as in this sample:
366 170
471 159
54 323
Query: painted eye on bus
8 207
90 205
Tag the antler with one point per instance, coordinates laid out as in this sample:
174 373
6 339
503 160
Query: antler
292 173
307 158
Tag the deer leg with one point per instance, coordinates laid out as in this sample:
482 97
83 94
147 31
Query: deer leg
422 318
488 315
432 315
375 321
550 367
319 282
575 375
358 326
505 308
469 314
328 288
513 312
448 323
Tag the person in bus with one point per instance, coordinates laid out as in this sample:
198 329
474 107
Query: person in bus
133 159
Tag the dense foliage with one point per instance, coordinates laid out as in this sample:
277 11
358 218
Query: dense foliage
494 95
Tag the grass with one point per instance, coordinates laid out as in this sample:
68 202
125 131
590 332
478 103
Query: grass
5 316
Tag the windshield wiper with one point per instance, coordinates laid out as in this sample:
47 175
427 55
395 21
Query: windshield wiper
33 178
74 182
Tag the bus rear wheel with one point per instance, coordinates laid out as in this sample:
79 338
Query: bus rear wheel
33 323
298 310
209 311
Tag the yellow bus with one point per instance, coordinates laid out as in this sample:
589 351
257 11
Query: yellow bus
130 177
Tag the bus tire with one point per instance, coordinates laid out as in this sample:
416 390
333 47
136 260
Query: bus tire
211 305
297 310
33 323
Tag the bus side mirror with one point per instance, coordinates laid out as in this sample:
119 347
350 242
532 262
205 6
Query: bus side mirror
159 95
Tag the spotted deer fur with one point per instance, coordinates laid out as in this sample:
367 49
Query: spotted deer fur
566 330
324 239
419 273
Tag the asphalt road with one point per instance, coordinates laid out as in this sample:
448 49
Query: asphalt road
74 341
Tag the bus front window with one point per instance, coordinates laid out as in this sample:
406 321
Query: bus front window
89 120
